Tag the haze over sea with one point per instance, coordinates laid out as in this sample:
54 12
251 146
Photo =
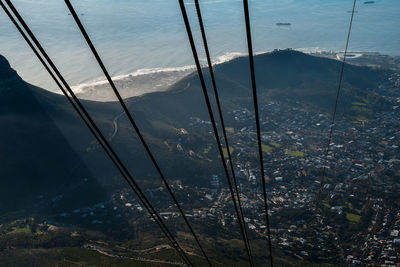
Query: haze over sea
144 42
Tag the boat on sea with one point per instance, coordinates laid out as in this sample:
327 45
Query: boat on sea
283 24
369 2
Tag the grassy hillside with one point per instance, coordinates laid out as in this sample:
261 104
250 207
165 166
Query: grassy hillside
47 151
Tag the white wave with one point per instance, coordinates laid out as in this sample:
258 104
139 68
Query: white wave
228 57
149 80
142 81
145 71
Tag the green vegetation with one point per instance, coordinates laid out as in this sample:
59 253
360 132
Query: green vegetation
167 145
270 147
67 256
360 118
315 86
230 130
225 150
374 66
330 179
206 150
311 147
276 145
266 148
295 153
361 110
16 230
350 206
383 143
354 218
326 204
359 104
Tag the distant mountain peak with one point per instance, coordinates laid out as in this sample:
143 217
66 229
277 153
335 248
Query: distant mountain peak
5 68
7 74
3 60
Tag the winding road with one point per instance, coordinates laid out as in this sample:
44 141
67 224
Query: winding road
116 118
115 122
112 254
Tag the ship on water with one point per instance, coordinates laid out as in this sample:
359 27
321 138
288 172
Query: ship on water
283 24
369 2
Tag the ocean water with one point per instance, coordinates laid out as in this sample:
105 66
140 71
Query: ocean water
145 47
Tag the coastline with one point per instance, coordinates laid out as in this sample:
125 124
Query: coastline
149 80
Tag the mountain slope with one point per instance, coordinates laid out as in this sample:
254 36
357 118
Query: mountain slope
35 156
46 148
285 75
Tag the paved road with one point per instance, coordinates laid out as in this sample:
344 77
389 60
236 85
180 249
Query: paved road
116 118
109 253
115 122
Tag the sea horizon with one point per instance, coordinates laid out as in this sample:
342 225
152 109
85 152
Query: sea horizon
136 39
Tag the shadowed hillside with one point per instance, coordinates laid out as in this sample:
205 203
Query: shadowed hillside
36 158
45 148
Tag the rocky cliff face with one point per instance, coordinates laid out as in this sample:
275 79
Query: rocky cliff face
8 77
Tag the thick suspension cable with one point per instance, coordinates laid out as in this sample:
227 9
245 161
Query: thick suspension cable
134 125
174 243
337 95
99 136
214 125
257 117
221 118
